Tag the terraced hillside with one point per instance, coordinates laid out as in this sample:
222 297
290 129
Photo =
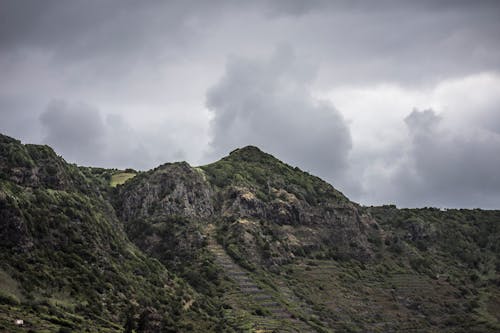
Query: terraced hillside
269 314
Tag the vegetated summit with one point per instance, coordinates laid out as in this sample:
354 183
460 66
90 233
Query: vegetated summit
245 244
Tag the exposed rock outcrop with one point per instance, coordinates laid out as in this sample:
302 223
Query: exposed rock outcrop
250 186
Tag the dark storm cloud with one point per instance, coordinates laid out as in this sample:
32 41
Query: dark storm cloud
106 33
447 168
410 41
267 103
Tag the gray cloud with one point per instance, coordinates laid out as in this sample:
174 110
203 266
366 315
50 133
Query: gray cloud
267 103
81 134
17 118
85 135
422 124
448 168
354 41
76 130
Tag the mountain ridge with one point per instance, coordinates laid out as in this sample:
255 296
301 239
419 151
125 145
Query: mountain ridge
246 243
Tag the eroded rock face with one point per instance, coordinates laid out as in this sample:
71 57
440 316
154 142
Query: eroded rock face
267 223
241 202
286 226
174 189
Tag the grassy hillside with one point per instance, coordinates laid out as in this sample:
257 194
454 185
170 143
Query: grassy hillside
120 178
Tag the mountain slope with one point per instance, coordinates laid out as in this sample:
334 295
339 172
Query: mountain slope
66 257
246 192
297 213
312 253
245 244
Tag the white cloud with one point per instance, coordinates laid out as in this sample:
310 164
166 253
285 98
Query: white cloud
396 165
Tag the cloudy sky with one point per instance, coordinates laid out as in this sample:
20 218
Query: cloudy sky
390 101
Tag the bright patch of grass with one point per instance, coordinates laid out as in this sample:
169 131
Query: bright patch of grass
120 178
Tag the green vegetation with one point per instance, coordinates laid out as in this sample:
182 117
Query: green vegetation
244 244
65 257
249 167
121 177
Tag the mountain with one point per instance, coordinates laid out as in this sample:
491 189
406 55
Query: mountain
66 261
245 244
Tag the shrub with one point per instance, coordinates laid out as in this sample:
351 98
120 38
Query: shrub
8 298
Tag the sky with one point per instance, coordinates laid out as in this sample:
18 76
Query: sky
392 102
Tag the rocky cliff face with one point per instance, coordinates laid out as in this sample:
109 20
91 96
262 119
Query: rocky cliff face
268 210
169 190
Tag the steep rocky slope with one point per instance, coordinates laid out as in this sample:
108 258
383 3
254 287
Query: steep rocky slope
272 211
